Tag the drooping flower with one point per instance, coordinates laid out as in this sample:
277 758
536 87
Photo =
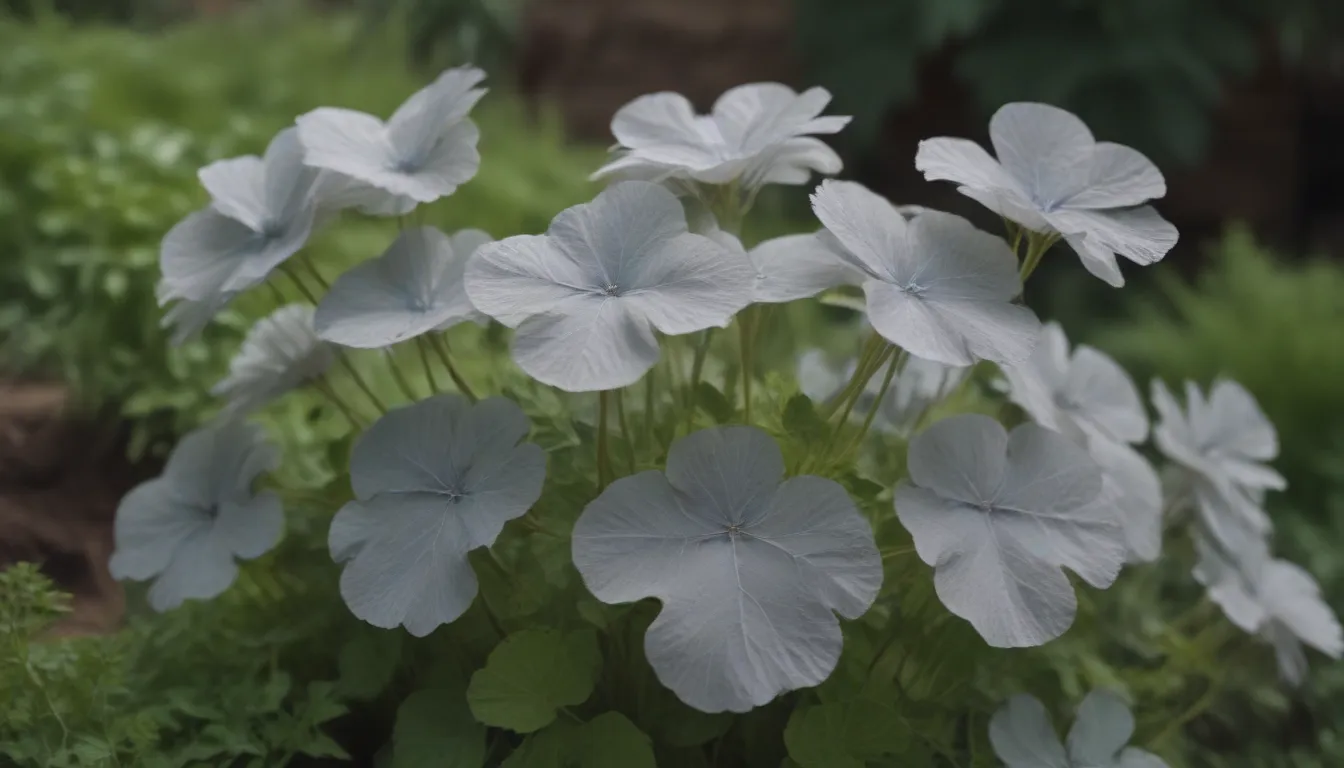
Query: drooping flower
998 516
586 297
1023 737
432 481
413 288
756 134
186 527
423 152
750 568
1272 598
1079 395
261 212
282 352
934 285
1088 398
1221 443
1053 177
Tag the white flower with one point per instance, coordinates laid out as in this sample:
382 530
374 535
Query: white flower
760 133
423 152
185 528
432 481
1023 737
750 568
1090 399
282 352
1272 598
1052 176
1220 443
586 297
791 267
414 287
999 516
934 285
261 213
186 318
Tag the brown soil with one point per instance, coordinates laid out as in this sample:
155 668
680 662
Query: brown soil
61 477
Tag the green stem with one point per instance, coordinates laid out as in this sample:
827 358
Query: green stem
402 383
329 392
647 437
896 362
312 270
862 383
298 283
744 332
602 463
872 346
698 365
359 381
441 347
423 346
1196 709
625 430
1037 245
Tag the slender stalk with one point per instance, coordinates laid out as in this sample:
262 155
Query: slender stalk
423 346
441 347
625 430
312 270
602 462
1195 710
1037 245
862 383
647 437
402 383
744 329
330 393
359 381
873 345
298 283
276 295
896 362
698 365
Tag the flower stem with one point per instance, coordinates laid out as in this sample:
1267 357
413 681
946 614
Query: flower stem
1037 245
402 383
423 346
312 270
896 362
602 462
625 430
745 321
441 347
330 393
873 346
298 283
1193 711
698 365
647 437
359 381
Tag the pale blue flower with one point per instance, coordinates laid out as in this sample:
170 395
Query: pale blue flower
1023 737
281 353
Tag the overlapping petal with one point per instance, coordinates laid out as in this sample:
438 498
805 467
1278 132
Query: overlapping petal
281 352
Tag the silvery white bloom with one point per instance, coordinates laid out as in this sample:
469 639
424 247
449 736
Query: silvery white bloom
791 267
280 353
756 134
1052 176
934 285
1220 442
186 527
999 516
750 568
261 212
1023 737
432 481
414 287
1091 400
1080 395
1272 598
586 296
423 152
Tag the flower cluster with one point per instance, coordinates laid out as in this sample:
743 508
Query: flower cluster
753 560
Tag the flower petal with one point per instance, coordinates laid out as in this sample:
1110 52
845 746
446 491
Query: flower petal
1023 737
419 123
251 528
1132 487
616 236
201 568
656 119
869 227
1102 728
1106 397
961 457
798 267
149 528
237 188
1046 149
1120 177
1139 234
730 471
346 141
517 277
586 344
951 332
688 284
1097 259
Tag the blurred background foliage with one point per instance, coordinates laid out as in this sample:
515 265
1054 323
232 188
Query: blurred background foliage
103 127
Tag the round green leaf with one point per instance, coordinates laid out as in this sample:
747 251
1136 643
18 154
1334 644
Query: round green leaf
435 729
844 734
531 675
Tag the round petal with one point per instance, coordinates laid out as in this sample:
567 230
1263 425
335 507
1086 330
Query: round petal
586 344
964 162
687 284
1022 736
1294 598
150 526
201 568
1133 757
1047 149
250 528
208 253
730 471
869 227
280 353
1134 490
416 286
1120 177
517 277
1102 728
962 458
418 124
1107 401
656 119
237 189
798 267
951 332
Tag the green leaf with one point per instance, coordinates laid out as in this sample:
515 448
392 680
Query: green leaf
367 664
845 734
802 421
531 675
435 729
713 402
610 740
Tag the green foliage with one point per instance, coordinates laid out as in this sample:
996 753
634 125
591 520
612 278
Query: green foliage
532 676
101 133
1145 73
1278 328
435 729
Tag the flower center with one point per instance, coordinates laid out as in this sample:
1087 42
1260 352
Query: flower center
913 288
611 289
